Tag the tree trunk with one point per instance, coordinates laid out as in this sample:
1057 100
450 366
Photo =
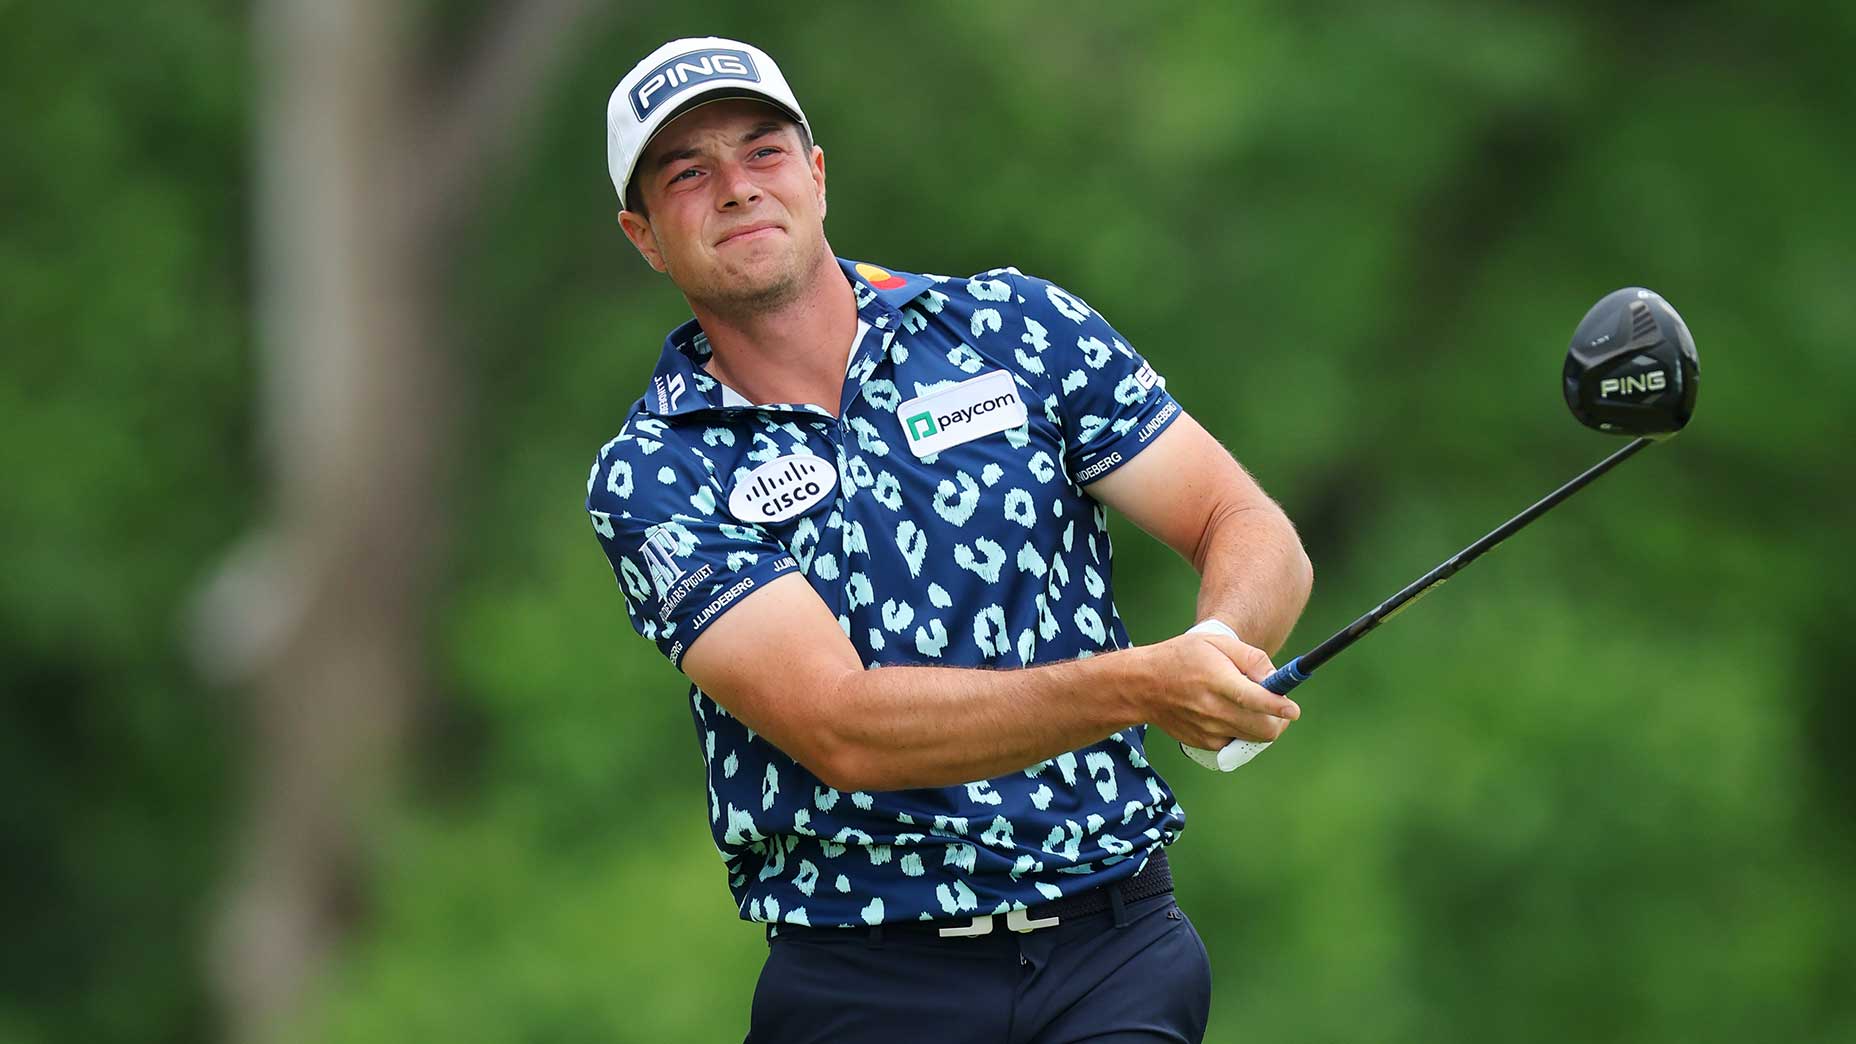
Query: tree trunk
322 613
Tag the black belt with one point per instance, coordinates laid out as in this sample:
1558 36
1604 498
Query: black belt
1153 879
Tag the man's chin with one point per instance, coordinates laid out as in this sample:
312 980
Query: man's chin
758 263
763 277
759 284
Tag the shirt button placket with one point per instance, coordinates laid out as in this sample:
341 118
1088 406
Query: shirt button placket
844 500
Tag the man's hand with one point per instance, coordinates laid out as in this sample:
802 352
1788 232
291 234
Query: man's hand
1206 692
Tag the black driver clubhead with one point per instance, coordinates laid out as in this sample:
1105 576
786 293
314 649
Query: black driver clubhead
1632 368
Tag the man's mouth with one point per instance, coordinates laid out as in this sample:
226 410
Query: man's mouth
760 231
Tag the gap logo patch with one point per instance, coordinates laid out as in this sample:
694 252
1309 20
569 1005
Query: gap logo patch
677 74
985 405
782 488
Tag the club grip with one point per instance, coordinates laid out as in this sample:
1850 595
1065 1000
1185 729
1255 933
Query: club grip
1286 677
1238 752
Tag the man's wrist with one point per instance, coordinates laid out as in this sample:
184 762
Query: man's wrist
1126 685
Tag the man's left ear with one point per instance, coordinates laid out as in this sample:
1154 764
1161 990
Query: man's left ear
639 231
818 176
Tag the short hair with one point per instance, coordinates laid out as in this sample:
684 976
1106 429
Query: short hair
634 197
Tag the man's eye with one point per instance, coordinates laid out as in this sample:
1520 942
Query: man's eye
680 175
765 150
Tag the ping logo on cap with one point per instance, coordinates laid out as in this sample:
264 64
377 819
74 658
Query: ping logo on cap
678 74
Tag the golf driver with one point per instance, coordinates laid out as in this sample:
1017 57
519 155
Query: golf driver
1631 370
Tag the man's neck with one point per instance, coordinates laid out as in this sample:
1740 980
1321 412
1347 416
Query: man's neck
794 352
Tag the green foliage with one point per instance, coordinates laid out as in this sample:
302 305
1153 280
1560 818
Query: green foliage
126 449
1595 792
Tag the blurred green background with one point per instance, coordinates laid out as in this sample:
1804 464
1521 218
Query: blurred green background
1599 791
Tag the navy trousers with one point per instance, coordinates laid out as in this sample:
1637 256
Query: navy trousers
1147 980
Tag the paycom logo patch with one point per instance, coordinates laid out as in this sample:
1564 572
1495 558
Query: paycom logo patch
985 405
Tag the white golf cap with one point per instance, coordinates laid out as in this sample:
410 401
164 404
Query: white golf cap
676 78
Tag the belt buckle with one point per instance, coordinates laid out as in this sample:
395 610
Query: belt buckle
1016 920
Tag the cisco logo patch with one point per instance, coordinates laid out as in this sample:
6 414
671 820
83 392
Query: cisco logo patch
782 488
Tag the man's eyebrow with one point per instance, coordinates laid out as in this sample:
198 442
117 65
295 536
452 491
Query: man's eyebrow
759 130
667 158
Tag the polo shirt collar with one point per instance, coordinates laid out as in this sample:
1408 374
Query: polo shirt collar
680 386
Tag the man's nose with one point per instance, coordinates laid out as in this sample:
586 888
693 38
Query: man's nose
738 187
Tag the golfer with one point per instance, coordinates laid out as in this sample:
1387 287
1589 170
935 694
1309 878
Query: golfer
865 511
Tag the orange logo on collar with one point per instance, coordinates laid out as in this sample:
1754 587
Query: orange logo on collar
879 278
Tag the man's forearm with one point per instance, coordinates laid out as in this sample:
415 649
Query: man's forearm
1254 575
897 727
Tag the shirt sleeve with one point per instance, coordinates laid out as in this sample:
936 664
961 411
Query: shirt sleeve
679 562
1108 400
